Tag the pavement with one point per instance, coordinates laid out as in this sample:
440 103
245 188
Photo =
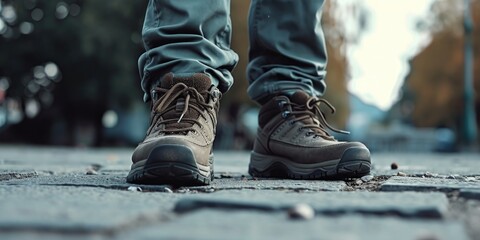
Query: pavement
67 193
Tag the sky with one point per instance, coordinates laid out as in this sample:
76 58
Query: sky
379 62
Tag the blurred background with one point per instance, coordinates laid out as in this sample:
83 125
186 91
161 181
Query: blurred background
404 76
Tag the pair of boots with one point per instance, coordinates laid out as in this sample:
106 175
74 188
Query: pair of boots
292 141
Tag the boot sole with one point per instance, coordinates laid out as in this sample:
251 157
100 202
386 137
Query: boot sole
354 163
171 164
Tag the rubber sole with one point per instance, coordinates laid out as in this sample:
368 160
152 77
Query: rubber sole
354 163
173 165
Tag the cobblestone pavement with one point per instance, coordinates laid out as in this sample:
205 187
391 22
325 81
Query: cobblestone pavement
63 193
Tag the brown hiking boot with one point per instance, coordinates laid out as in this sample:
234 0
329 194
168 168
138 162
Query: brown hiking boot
178 146
292 143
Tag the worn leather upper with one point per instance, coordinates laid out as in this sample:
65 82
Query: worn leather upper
285 130
180 119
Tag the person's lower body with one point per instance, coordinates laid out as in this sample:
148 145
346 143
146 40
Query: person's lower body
286 75
185 68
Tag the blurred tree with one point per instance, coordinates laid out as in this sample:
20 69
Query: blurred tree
95 45
434 86
343 26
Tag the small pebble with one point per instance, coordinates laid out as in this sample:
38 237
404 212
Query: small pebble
401 174
96 166
394 166
134 189
226 175
358 182
469 179
91 172
48 172
367 178
209 190
183 190
428 174
301 212
451 177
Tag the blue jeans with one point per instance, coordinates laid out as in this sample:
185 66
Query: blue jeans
287 46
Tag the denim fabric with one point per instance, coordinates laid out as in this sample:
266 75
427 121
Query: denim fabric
287 48
184 37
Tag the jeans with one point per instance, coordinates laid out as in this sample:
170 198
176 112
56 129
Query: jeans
287 47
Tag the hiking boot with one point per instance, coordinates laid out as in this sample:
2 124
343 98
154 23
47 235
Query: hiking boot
177 149
292 142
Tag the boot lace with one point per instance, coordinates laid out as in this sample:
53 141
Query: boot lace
183 95
311 110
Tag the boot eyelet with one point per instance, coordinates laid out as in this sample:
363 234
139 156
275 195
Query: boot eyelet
215 94
215 99
291 122
285 114
154 95
282 103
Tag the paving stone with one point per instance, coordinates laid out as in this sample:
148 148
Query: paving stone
111 180
62 202
107 157
50 236
47 169
467 211
78 209
116 180
217 224
60 160
470 194
272 184
419 163
427 184
9 174
405 204
61 155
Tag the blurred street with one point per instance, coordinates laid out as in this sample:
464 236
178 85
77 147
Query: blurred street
72 193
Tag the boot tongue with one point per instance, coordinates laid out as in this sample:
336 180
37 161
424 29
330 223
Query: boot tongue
300 98
200 82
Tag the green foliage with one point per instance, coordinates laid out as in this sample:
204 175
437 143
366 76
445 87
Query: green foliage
95 50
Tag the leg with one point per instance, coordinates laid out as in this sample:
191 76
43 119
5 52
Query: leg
185 68
286 74
287 48
186 37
